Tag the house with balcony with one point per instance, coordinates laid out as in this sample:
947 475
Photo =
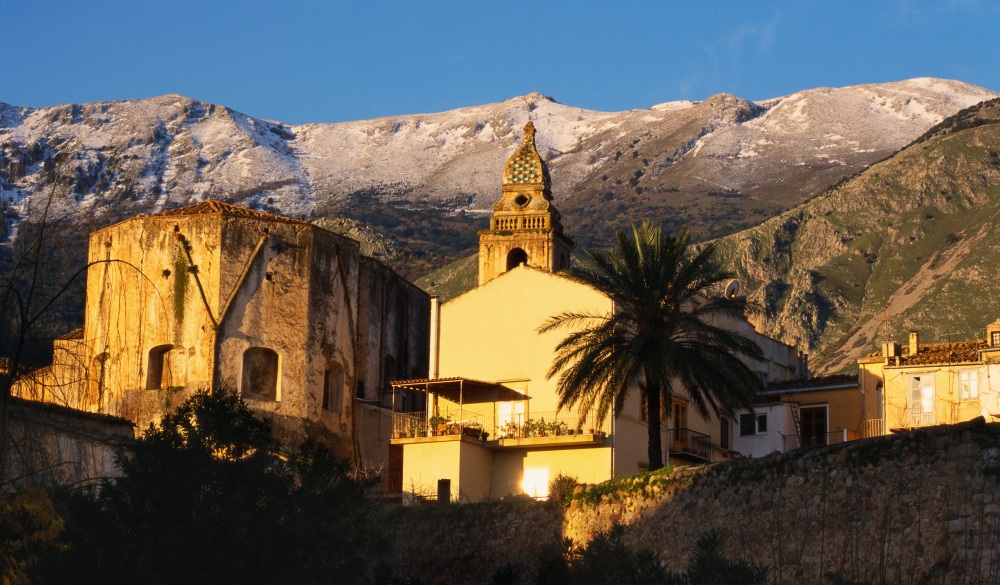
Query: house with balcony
804 413
926 384
486 423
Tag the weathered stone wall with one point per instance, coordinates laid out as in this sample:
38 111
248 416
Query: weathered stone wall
53 445
888 509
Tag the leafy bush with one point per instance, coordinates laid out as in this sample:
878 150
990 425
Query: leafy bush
207 498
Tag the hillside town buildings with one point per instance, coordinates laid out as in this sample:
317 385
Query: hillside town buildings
492 426
449 398
925 384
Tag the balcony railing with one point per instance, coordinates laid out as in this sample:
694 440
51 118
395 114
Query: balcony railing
416 425
810 441
690 443
546 424
514 426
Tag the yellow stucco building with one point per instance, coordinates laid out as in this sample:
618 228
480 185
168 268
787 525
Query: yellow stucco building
492 426
926 384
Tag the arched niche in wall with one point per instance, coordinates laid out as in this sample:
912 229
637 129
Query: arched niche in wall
158 368
261 367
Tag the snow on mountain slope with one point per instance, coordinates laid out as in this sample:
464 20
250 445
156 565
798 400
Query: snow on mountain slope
140 156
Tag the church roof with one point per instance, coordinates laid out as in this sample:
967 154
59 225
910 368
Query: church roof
216 207
525 166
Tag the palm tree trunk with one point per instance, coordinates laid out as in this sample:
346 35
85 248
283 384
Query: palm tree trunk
655 451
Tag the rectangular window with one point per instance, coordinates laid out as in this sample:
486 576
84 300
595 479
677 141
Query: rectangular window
922 397
747 426
968 385
536 482
724 432
995 339
762 423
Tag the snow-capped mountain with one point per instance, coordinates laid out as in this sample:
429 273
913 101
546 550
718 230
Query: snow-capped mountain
718 164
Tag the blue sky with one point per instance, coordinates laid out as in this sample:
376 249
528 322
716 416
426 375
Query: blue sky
299 61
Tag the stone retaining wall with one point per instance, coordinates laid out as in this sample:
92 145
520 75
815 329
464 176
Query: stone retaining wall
892 509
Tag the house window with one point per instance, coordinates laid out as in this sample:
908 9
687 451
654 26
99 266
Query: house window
922 399
158 368
753 424
333 386
995 339
536 482
724 432
644 406
260 374
968 385
680 423
511 419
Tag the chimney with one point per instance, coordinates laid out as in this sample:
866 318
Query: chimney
890 350
913 343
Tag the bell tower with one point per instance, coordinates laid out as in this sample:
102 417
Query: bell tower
524 227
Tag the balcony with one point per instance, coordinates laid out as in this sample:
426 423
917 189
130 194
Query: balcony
512 430
694 446
811 441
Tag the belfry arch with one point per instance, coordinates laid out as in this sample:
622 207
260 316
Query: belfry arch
525 226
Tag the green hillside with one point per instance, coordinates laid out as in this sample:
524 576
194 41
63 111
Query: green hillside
913 238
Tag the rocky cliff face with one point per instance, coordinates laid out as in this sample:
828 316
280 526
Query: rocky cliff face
910 243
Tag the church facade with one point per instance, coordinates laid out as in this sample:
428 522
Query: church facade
492 426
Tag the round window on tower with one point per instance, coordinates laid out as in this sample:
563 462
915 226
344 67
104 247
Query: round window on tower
522 200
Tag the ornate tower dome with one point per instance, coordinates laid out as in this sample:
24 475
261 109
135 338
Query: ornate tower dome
525 226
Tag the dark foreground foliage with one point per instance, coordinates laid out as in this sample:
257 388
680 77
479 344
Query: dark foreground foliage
207 498
607 559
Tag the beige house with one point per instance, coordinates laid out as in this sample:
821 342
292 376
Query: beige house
492 426
294 317
926 384
804 413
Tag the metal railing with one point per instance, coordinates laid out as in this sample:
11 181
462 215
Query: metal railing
546 424
684 441
813 440
416 425
514 426
874 427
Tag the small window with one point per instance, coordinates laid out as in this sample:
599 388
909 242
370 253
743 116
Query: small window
995 339
747 426
762 424
333 386
260 374
968 385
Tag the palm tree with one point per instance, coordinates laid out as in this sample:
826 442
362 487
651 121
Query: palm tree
662 335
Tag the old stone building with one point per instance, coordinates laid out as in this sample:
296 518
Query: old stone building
294 317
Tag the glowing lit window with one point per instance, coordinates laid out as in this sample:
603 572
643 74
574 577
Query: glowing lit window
536 482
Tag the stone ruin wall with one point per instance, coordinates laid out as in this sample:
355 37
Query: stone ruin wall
891 509
52 445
